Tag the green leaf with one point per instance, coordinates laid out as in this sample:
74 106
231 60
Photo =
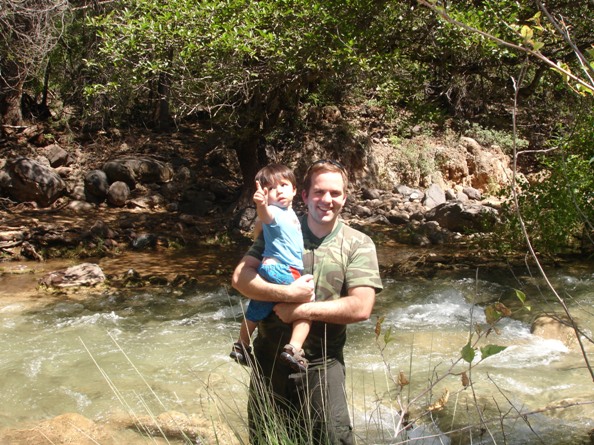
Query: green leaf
537 45
521 296
526 32
468 353
535 18
490 350
492 315
388 336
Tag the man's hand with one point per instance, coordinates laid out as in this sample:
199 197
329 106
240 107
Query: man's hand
302 289
251 285
287 312
354 307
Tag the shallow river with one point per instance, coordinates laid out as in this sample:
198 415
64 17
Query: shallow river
139 352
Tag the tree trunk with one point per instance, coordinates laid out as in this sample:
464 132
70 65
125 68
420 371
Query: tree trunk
246 148
11 91
162 114
260 116
45 86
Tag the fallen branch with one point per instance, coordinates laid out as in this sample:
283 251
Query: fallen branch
11 244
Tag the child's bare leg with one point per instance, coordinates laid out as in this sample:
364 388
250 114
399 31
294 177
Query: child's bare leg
241 351
300 333
246 330
293 352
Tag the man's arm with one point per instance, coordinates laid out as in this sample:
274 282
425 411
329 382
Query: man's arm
250 284
354 307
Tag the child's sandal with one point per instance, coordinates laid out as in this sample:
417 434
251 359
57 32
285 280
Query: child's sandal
294 358
242 354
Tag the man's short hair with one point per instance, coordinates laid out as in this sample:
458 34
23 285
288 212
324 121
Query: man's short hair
325 166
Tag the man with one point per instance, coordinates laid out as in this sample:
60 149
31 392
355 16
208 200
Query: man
344 277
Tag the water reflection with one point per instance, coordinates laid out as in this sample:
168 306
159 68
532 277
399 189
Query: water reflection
165 349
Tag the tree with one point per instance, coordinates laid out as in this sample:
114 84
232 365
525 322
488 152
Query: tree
248 63
28 31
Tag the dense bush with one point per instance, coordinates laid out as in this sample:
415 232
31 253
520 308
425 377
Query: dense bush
558 207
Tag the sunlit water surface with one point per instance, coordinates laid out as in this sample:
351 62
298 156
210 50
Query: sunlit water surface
162 350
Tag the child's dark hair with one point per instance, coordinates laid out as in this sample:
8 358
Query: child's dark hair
274 173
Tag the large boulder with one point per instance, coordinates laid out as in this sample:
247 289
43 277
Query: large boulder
463 217
57 156
409 193
96 186
468 163
118 194
31 181
85 274
434 196
119 171
69 428
452 163
133 170
177 426
486 166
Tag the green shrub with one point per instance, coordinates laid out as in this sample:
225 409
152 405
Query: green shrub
558 209
488 137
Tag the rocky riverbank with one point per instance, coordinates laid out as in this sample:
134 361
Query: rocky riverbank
113 192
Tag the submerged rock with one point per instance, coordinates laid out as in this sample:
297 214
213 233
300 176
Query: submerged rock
85 274
69 428
555 327
179 426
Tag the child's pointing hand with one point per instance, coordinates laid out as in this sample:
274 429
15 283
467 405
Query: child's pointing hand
261 195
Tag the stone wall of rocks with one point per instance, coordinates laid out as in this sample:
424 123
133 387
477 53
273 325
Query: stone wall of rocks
442 207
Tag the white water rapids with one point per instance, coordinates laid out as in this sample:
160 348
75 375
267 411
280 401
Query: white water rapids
158 350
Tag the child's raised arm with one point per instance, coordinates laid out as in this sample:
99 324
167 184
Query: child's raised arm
261 201
257 229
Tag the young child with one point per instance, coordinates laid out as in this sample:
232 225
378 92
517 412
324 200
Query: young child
281 263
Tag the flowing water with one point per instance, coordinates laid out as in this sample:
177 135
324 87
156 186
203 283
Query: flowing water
141 351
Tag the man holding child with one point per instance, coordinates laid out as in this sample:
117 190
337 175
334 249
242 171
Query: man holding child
338 287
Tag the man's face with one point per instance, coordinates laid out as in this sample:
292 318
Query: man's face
325 198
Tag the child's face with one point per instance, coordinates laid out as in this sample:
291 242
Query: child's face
281 193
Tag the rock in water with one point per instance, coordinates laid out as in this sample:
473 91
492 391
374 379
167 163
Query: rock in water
85 274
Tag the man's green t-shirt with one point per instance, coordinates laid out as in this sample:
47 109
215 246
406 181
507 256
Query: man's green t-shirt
343 259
